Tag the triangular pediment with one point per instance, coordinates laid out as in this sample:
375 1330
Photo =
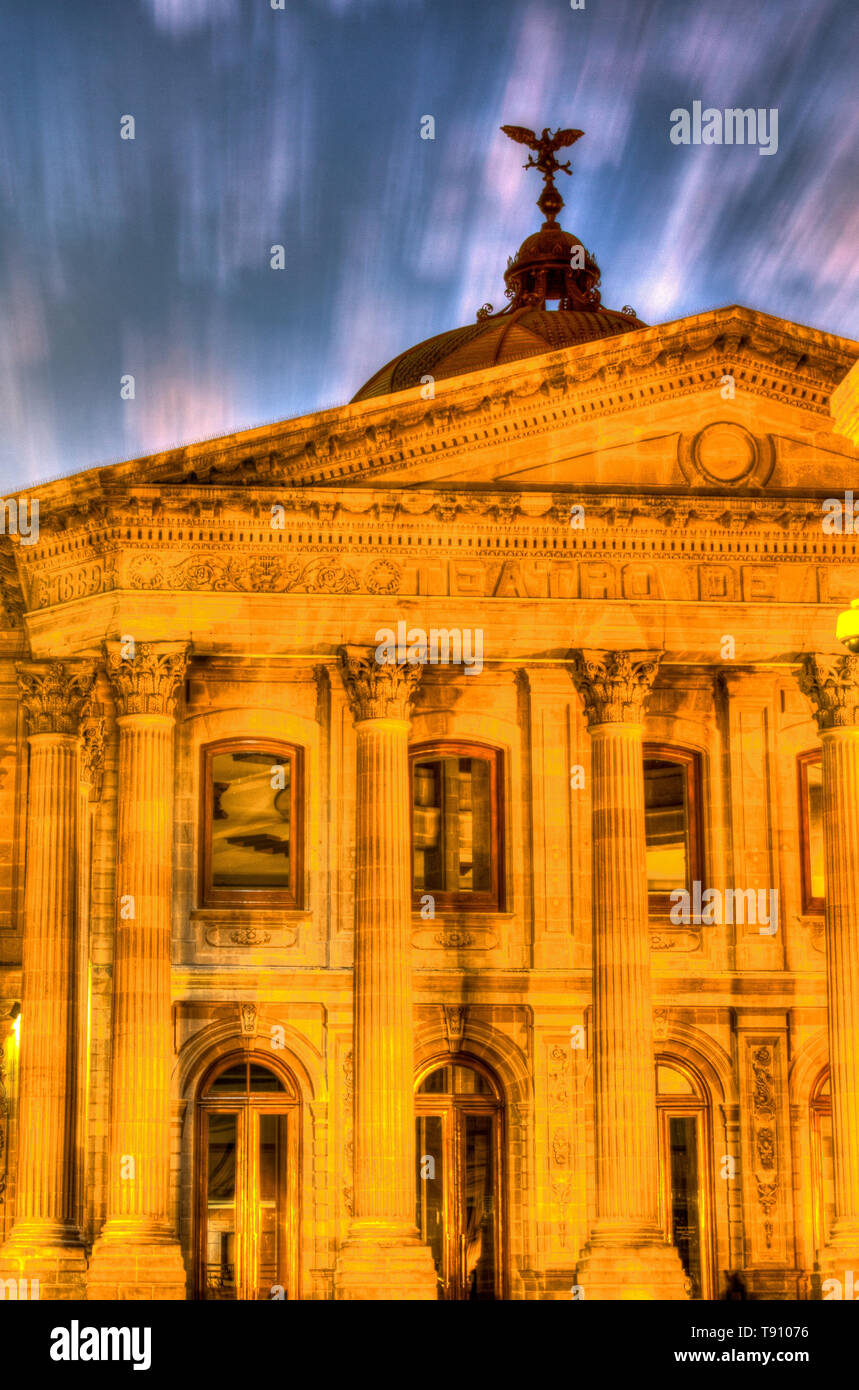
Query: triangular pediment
646 409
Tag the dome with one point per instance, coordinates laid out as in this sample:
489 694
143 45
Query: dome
506 337
551 265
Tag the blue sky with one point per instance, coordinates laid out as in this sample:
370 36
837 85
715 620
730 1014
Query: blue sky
301 127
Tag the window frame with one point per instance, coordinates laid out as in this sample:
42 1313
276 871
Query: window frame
458 901
209 895
811 906
659 904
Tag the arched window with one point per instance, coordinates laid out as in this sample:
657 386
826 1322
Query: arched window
459 1178
672 823
685 1170
822 1166
247 1182
457 830
251 824
811 829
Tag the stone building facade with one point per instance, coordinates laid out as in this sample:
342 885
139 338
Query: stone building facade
465 932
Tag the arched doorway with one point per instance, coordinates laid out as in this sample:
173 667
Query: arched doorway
686 1170
459 1117
247 1182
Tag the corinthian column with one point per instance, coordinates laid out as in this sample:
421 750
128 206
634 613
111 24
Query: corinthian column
137 1254
627 1256
383 1257
832 684
45 1243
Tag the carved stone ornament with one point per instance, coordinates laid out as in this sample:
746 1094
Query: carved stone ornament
53 694
147 679
765 1137
613 685
249 1015
454 1026
92 748
832 685
376 690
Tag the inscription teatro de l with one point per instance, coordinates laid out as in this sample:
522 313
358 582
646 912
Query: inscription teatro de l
329 977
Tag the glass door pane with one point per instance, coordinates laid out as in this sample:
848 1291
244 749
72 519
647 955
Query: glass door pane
429 1186
685 1196
268 1220
220 1234
478 1235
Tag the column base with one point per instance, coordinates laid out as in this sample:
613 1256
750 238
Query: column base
629 1266
136 1264
47 1259
373 1269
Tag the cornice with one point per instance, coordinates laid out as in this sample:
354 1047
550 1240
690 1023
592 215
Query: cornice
341 446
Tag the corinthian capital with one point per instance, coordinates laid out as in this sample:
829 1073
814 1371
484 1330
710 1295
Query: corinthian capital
832 685
613 685
53 694
376 690
146 675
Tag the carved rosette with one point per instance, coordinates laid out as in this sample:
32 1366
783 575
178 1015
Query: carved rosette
375 690
832 685
613 685
148 682
53 694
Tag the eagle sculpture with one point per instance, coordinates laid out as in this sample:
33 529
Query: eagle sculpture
544 146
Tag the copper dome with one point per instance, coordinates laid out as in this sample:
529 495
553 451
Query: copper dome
505 337
551 265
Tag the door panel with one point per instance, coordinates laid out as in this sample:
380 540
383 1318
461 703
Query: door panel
457 1208
478 1206
222 1166
249 1180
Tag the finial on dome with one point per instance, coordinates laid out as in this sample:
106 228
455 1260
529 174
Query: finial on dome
551 265
544 146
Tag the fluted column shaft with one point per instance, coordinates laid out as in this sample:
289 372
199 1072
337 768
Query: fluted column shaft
140 1080
45 1242
383 1257
627 1256
832 683
45 1175
383 1037
841 862
624 1087
137 1254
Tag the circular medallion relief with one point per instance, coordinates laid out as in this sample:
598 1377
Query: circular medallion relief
725 454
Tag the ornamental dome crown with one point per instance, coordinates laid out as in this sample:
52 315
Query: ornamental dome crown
551 266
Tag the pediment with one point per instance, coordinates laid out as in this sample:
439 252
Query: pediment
644 409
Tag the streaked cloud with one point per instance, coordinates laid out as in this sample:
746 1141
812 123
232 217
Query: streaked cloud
301 128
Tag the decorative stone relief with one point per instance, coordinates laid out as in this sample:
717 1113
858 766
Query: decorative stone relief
764 1135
